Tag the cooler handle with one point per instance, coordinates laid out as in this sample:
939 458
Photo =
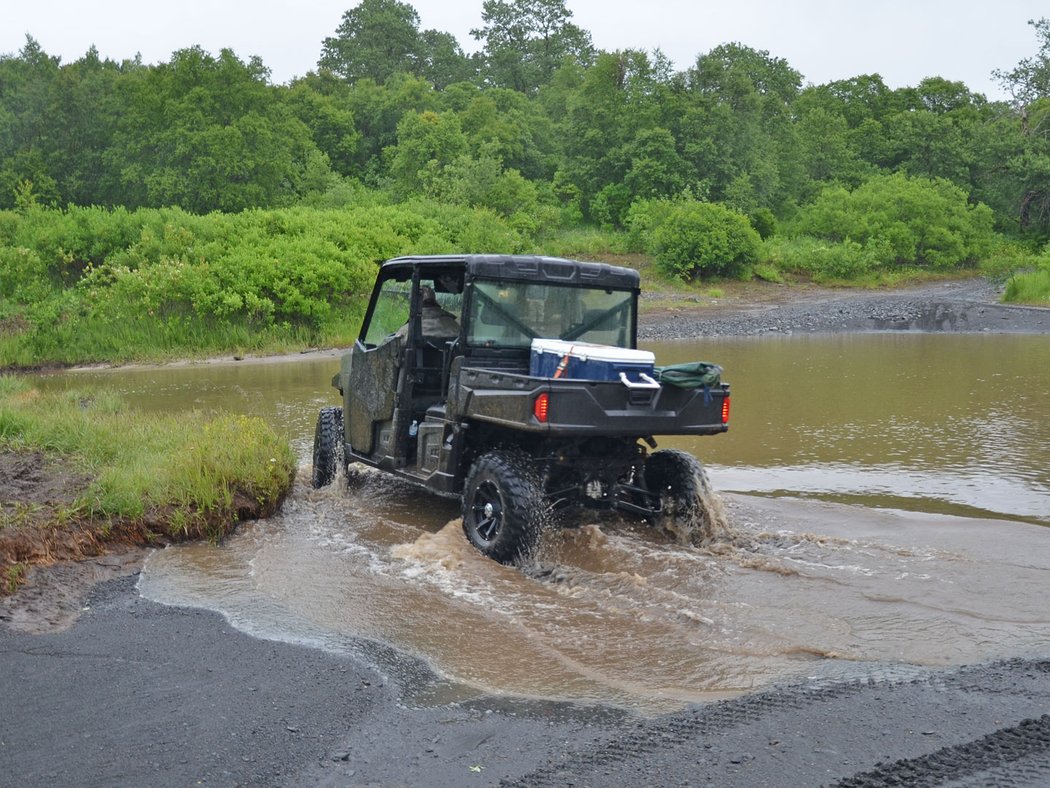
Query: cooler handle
648 382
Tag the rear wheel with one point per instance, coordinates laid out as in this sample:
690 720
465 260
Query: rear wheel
680 484
328 446
502 506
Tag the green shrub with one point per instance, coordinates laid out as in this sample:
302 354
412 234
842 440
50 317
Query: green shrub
901 221
584 242
1008 259
767 273
764 222
91 285
826 261
703 239
642 218
610 206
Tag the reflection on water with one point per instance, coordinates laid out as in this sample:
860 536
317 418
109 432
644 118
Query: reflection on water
928 422
611 612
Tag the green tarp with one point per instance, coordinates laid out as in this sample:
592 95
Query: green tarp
691 375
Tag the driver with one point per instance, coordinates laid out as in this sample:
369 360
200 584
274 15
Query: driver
437 322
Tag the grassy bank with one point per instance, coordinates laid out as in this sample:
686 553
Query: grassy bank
84 285
80 474
94 285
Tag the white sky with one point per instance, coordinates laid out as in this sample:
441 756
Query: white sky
903 40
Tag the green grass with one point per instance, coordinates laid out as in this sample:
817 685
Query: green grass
767 273
1032 287
150 339
13 577
187 475
585 243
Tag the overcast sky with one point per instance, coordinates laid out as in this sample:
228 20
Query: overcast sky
903 40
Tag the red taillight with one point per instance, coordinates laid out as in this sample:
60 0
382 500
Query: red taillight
725 410
540 406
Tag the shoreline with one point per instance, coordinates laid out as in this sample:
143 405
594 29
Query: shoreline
964 306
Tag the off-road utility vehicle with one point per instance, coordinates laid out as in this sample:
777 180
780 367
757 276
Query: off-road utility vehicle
515 383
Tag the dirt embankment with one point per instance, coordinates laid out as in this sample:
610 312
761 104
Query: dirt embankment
51 553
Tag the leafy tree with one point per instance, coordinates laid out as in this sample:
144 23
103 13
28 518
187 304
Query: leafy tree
426 143
377 110
483 183
613 128
376 39
526 40
321 101
1029 80
511 127
442 61
1029 83
857 99
206 133
655 169
1031 169
827 152
943 96
737 120
26 84
86 107
930 145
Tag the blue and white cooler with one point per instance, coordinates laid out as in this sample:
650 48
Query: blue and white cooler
558 358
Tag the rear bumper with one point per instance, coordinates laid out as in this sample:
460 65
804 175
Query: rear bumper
587 408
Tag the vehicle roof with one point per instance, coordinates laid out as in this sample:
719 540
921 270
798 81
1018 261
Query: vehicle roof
528 268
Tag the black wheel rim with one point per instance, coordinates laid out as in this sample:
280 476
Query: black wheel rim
487 512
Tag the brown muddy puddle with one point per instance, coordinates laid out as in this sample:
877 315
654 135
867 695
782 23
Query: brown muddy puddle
613 613
896 493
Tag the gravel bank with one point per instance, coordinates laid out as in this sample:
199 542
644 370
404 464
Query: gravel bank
965 306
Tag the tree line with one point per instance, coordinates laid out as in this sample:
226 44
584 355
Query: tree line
537 119
194 207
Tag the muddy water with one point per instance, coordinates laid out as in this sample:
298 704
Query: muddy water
891 437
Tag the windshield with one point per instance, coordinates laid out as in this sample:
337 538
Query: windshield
512 314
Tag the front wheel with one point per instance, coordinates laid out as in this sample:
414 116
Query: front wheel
502 506
687 506
328 446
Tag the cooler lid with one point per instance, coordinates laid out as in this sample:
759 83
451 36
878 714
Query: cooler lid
589 350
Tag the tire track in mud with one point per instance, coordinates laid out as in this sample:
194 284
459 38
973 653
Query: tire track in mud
1013 755
1018 755
647 737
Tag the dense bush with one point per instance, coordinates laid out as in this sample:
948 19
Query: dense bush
86 283
895 219
826 260
1010 257
642 218
694 239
